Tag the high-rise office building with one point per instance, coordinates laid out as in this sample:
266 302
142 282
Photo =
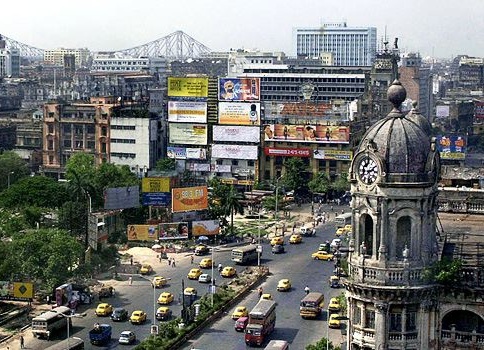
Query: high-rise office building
350 46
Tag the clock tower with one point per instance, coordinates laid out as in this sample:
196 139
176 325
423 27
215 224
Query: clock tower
393 179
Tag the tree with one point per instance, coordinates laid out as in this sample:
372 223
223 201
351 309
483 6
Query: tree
216 197
322 344
12 168
445 272
294 176
165 164
233 206
341 184
319 184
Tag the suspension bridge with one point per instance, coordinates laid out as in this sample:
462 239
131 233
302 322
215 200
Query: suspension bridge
175 46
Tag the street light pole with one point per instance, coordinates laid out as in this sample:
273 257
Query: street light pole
8 178
212 282
258 242
277 195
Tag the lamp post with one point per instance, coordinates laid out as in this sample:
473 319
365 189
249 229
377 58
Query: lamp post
212 282
69 323
8 178
154 298
277 195
258 242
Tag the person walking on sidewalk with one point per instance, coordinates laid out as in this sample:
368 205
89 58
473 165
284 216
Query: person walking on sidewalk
260 291
22 342
173 263
191 259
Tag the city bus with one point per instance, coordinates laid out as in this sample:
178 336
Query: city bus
244 255
343 220
73 343
277 345
50 321
311 305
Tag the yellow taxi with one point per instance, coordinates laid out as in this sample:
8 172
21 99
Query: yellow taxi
334 305
240 311
295 239
348 228
340 231
266 296
194 274
284 285
138 317
277 240
201 249
163 313
322 255
334 321
104 309
190 291
146 269
206 263
228 271
159 281
165 298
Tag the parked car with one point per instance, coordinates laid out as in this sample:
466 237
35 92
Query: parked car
127 337
278 249
119 314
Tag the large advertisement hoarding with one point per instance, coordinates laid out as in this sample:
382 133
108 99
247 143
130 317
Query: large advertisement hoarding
239 89
333 154
239 113
187 87
442 111
142 232
155 184
234 152
307 133
479 109
236 133
287 152
187 112
221 168
205 228
121 197
451 146
186 153
198 167
189 198
173 230
161 199
189 134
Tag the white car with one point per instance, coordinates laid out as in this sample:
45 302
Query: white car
204 278
127 337
336 243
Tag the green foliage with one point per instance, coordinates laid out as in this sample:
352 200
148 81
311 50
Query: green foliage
293 178
319 184
322 345
10 222
232 205
11 167
341 184
342 302
445 272
165 164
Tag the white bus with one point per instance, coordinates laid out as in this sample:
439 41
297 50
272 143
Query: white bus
343 220
244 255
50 321
277 345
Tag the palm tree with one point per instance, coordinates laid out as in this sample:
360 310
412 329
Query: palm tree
233 205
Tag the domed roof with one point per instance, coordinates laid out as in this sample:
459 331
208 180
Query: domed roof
415 116
401 142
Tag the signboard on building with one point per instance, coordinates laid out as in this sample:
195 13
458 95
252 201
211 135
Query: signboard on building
307 133
235 133
442 111
205 228
239 89
479 109
161 199
198 167
188 87
142 232
16 291
239 113
121 197
333 154
189 198
452 146
235 152
188 134
174 230
155 184
187 111
287 152
221 168
186 153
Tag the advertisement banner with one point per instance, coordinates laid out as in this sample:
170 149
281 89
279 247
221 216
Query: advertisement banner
205 228
307 133
221 168
196 153
186 153
239 89
287 152
479 110
236 133
142 232
333 154
187 112
155 184
199 167
173 230
451 146
234 152
442 111
189 198
189 134
161 199
187 87
239 113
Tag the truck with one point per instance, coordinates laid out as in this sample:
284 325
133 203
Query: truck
71 295
100 334
262 320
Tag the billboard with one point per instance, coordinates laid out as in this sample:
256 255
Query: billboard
307 133
236 133
155 184
187 87
17 291
239 113
199 167
332 154
189 198
442 111
121 197
239 89
205 228
479 110
187 112
221 168
189 134
174 230
451 146
142 232
235 152
161 199
186 153
287 152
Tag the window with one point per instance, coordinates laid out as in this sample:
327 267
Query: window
67 143
357 316
51 159
104 131
50 128
404 230
369 319
91 145
50 146
235 162
411 322
395 322
366 234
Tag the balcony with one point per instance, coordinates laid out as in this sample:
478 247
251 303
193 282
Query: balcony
452 339
396 276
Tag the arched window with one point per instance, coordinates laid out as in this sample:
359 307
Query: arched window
404 236
366 235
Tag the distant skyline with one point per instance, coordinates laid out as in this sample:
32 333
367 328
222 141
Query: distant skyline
431 27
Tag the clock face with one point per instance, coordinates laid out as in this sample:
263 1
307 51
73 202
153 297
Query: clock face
368 170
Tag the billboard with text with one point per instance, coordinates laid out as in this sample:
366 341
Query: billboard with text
186 153
333 154
188 87
189 198
239 89
155 184
142 232
239 113
187 111
173 230
188 134
287 152
307 133
235 133
451 146
235 152
205 228
479 109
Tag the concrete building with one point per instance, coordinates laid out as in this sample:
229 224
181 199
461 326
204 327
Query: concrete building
117 62
9 60
56 56
350 46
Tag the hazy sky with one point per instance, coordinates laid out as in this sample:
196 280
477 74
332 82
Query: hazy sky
442 28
